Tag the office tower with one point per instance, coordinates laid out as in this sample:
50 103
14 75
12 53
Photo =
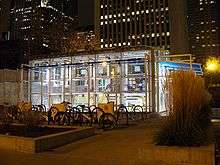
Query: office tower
158 23
40 25
203 24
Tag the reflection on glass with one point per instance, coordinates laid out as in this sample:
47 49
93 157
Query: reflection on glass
81 72
102 70
135 84
135 68
80 86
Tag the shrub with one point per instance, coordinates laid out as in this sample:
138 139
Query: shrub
5 120
189 111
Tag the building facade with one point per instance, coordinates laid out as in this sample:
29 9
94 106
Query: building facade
43 27
132 23
204 32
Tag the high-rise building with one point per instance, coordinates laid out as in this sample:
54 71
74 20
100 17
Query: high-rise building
203 25
158 23
4 19
40 25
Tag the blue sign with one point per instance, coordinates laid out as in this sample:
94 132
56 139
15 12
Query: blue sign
197 68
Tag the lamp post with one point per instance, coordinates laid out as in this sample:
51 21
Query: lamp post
212 66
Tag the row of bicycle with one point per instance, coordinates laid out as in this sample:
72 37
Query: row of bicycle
103 115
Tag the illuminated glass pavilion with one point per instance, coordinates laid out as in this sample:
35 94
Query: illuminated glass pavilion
131 78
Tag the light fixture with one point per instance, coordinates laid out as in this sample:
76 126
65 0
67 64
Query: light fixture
213 65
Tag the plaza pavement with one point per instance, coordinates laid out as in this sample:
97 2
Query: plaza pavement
120 146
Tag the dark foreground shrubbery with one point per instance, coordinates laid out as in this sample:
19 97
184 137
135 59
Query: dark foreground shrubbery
189 111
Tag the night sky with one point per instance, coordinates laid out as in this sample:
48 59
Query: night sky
86 12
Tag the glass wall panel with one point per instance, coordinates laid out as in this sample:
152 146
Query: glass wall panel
45 100
54 99
36 99
36 79
80 99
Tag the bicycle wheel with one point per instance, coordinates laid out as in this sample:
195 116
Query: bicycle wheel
107 121
61 118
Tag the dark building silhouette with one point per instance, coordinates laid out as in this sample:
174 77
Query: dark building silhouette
4 19
86 13
11 55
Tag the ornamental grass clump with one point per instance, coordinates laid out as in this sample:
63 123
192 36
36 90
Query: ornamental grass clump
189 112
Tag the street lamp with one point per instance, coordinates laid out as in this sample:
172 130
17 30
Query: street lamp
212 65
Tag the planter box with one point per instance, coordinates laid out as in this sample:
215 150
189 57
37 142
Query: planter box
204 155
40 144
